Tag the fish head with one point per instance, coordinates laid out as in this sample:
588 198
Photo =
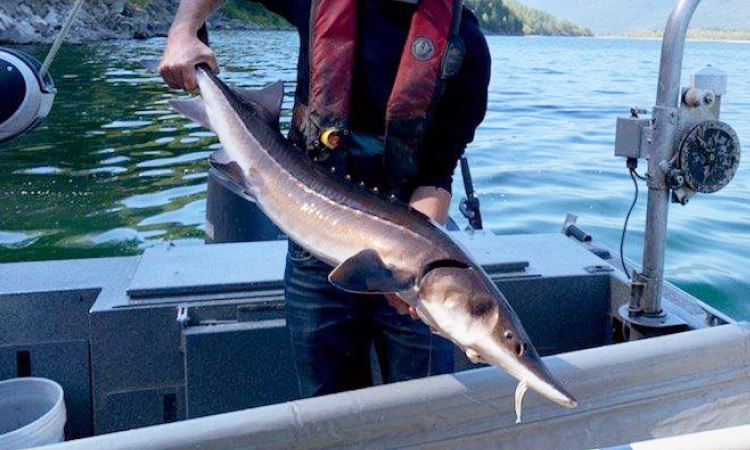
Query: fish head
464 304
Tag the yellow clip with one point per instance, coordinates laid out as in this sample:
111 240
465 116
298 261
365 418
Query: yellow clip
331 137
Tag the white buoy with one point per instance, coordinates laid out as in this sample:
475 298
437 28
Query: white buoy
26 87
26 96
32 413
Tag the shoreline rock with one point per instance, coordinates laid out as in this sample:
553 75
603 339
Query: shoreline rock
39 21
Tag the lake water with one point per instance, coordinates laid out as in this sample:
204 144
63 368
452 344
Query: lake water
114 171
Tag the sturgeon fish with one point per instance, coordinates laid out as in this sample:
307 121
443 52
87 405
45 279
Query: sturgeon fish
377 245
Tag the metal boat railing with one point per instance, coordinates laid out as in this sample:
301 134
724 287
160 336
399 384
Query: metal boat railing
650 388
734 438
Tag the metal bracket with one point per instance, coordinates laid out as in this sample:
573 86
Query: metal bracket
602 253
646 323
600 269
183 318
508 267
651 324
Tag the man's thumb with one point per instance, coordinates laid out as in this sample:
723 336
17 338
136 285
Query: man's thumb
212 63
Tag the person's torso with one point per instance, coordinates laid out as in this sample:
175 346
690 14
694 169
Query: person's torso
382 29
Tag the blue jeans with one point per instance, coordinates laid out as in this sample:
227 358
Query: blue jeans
332 332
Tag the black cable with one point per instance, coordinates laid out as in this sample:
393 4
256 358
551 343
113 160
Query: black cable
640 177
633 175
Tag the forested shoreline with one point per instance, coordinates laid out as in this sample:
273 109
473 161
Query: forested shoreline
510 18
498 17
37 21
699 33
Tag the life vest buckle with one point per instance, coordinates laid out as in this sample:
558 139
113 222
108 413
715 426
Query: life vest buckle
332 137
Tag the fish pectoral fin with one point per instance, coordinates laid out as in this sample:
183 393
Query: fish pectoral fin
221 162
269 98
192 108
366 273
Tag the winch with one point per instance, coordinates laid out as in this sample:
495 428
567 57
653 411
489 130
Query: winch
689 151
706 153
27 95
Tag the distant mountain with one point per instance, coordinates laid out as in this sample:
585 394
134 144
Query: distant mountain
619 17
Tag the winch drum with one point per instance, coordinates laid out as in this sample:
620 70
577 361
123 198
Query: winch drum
709 156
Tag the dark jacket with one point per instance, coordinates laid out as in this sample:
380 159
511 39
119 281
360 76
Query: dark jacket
383 26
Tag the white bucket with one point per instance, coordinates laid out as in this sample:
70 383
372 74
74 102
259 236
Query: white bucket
32 413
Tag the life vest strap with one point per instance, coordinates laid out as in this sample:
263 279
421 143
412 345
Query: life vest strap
333 29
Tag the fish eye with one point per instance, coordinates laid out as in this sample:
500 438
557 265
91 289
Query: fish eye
520 349
508 335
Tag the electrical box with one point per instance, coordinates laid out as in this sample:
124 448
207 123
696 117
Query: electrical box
632 137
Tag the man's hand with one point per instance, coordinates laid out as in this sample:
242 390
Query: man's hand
434 203
401 306
185 51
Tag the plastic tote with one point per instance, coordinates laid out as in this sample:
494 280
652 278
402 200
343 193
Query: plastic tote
32 413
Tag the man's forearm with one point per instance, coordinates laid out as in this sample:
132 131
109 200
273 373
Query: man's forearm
191 14
432 201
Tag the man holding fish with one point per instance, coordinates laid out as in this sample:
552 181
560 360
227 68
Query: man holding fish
335 356
389 94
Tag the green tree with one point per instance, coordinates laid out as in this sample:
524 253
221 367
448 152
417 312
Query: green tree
508 17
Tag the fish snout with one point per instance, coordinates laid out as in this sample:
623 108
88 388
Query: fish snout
549 387
509 348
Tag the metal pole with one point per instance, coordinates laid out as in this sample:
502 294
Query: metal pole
666 122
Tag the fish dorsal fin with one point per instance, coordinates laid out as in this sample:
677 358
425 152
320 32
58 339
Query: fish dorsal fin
269 98
365 273
194 109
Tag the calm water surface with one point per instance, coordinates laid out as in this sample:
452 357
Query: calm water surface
114 170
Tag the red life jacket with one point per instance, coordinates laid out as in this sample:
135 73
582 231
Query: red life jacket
432 54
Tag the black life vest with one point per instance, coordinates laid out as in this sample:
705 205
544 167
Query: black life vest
432 54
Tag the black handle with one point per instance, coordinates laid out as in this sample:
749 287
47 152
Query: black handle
470 207
578 234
